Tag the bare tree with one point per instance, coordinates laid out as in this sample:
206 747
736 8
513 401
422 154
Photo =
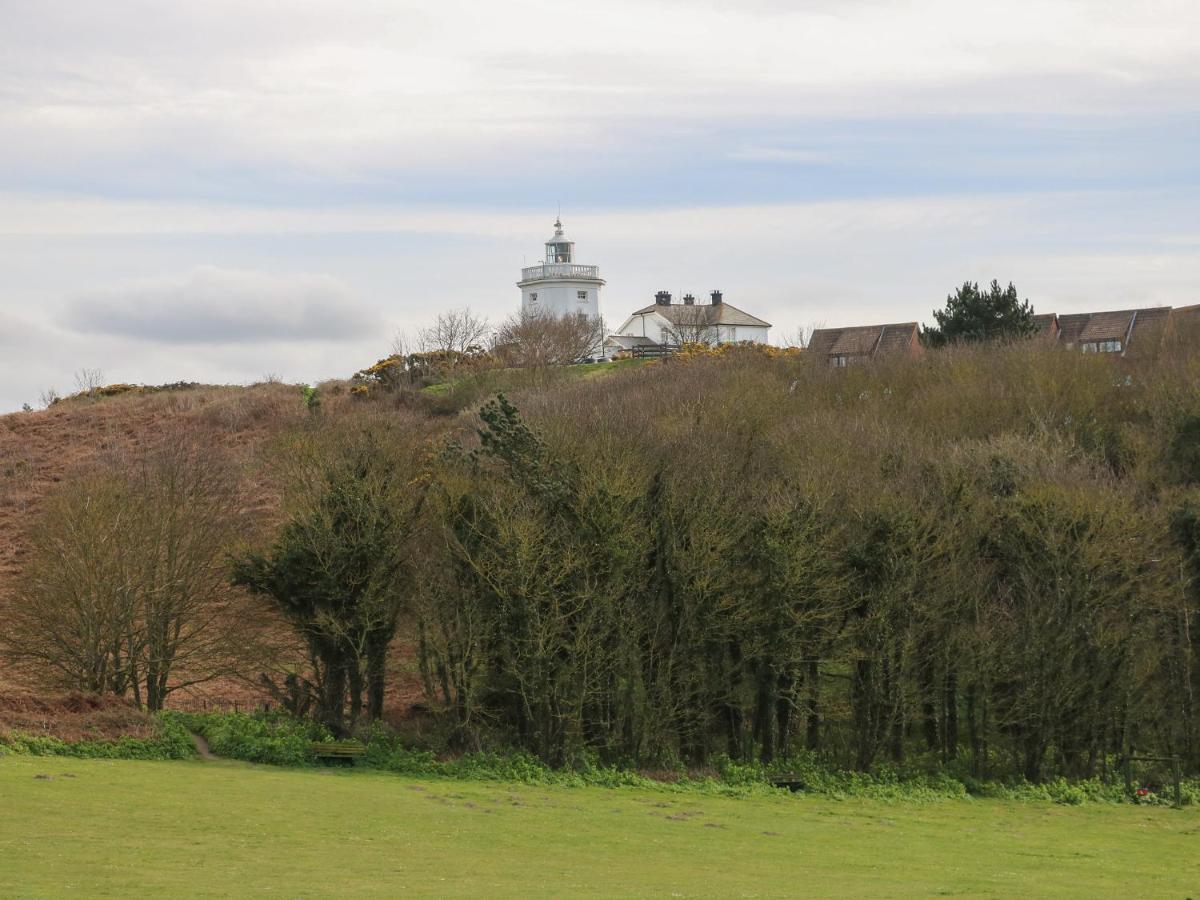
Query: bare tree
88 381
454 331
126 590
691 326
402 344
543 339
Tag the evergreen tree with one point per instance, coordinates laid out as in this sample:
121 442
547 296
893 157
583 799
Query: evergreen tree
336 572
972 315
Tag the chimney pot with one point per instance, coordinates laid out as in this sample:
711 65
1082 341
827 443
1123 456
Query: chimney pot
689 300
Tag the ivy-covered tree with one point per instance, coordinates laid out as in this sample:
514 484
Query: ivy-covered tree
972 316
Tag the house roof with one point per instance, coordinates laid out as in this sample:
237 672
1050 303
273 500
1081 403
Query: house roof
864 340
1046 324
703 314
628 341
1118 325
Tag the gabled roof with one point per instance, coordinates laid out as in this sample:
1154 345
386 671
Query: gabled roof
703 314
1118 325
864 340
1046 325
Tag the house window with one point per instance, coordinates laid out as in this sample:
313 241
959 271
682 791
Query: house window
1101 347
582 295
840 361
533 296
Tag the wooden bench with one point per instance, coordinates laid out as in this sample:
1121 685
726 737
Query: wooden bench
793 783
344 752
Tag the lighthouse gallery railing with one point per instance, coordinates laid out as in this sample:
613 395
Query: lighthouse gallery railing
559 270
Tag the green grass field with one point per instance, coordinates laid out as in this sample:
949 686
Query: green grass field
189 829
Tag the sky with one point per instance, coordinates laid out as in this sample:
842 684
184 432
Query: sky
225 191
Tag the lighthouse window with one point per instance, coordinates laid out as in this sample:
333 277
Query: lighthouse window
582 295
533 296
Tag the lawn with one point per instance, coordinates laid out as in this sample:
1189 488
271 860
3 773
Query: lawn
143 829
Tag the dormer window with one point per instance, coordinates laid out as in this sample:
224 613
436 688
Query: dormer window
1112 346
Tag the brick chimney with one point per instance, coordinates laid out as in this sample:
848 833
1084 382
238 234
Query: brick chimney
716 298
662 298
689 300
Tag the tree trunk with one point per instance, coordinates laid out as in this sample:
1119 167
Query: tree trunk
812 736
376 681
950 731
333 696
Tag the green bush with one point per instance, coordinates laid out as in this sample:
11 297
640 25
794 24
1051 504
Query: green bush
277 739
171 742
272 738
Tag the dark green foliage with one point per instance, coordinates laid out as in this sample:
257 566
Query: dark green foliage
336 572
959 563
973 316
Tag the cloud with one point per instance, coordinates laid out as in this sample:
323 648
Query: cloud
16 332
223 94
211 305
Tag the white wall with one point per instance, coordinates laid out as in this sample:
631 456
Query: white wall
658 329
560 298
648 325
738 333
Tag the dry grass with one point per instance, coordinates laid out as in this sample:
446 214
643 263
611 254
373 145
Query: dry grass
38 450
73 717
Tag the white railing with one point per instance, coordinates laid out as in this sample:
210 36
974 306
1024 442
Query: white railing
559 270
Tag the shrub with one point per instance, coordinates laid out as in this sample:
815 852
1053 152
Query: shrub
171 741
275 739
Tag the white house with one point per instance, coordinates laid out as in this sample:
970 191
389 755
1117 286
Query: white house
558 286
667 323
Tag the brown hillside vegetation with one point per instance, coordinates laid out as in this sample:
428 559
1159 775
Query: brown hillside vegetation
990 554
73 717
40 449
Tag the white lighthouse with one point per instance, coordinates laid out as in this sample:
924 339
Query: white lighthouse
558 286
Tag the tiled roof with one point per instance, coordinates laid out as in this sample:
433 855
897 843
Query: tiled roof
855 341
1119 325
1106 326
703 314
1046 324
864 340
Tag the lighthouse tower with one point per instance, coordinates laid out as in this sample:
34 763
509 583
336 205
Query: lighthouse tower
558 286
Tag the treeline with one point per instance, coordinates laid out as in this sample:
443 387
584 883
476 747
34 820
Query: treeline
988 558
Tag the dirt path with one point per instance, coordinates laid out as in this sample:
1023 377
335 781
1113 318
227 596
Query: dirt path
202 747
